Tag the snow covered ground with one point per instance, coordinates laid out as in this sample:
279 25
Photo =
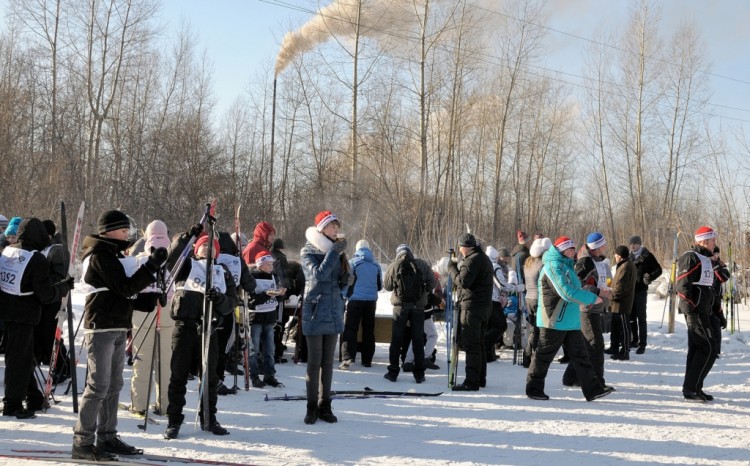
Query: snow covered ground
645 422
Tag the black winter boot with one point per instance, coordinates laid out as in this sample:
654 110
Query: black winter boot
325 413
312 412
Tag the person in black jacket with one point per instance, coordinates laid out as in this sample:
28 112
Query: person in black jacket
26 285
694 285
474 282
648 269
187 311
408 308
111 280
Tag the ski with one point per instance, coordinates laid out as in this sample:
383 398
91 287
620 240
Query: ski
63 456
124 407
356 395
672 299
452 310
66 309
208 309
242 322
731 290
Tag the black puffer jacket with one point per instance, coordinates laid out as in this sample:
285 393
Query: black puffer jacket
428 279
646 263
111 308
32 236
473 279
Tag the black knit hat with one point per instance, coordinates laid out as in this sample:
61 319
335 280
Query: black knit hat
622 251
112 220
467 240
278 244
49 225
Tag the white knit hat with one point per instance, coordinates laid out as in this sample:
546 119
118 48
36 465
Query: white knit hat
492 253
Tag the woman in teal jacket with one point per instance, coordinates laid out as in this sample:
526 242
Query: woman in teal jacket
559 320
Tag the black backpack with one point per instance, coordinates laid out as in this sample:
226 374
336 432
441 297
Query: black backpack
409 283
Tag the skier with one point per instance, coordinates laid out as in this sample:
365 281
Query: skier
694 285
187 309
592 270
263 306
326 276
473 280
110 281
144 330
25 285
497 322
559 320
409 279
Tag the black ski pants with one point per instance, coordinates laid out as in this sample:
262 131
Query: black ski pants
593 340
497 324
473 327
20 383
619 338
402 317
638 323
186 353
700 355
359 312
550 341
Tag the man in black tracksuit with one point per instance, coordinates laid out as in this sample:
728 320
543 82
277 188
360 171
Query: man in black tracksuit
648 269
187 311
21 301
474 282
694 285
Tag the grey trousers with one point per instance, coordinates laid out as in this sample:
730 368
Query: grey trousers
97 414
320 351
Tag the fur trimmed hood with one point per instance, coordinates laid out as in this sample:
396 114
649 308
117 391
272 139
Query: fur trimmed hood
318 239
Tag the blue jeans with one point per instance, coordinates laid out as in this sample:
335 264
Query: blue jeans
261 336
97 414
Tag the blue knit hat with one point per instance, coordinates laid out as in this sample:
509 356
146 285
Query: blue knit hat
595 240
12 229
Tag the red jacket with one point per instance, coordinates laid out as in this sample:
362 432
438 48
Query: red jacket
259 243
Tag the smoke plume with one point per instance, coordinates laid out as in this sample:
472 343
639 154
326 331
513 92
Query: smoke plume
377 19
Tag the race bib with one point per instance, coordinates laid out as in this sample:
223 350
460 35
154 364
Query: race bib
196 281
129 264
601 274
233 264
707 271
13 263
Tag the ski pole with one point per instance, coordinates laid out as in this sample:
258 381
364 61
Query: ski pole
144 427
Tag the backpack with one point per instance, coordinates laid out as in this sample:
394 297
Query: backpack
409 283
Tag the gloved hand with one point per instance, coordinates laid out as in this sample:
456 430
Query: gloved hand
195 230
646 279
157 258
339 245
213 295
68 282
163 299
723 320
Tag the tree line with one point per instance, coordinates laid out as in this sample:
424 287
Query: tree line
412 127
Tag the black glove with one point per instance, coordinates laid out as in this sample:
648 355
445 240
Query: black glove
213 295
646 279
163 299
157 258
339 245
195 230
723 320
70 281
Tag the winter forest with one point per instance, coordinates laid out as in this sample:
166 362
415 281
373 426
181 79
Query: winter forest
411 119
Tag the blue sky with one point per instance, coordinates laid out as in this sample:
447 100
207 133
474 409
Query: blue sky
242 35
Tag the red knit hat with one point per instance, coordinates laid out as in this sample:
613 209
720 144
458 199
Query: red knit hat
324 218
562 243
203 240
263 257
704 233
523 238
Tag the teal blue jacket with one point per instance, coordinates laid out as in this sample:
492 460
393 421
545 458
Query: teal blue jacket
561 294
